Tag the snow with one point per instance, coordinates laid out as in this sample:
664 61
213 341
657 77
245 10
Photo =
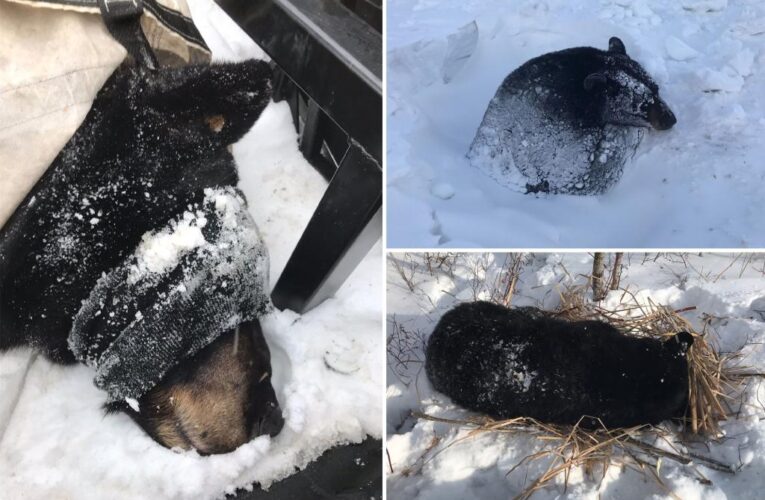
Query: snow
433 460
162 250
679 50
133 403
56 442
695 185
443 190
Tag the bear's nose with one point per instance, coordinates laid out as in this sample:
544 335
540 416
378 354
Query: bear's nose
667 120
271 423
660 116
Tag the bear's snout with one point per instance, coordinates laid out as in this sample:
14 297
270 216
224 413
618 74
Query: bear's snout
271 423
660 116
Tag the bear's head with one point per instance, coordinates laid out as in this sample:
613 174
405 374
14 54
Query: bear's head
215 400
630 94
669 384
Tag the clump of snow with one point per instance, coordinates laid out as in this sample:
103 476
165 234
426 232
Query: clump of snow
133 403
56 442
679 50
436 460
460 47
162 250
712 153
442 190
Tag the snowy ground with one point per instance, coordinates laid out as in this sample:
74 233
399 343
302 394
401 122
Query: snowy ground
731 289
55 441
697 185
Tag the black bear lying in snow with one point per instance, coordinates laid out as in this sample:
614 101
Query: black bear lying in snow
566 122
524 362
135 254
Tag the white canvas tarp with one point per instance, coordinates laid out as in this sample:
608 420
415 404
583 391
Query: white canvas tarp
53 60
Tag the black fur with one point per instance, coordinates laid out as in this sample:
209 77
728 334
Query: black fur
567 71
567 121
143 154
524 362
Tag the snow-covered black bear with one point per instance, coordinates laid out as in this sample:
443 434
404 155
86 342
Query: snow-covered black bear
135 254
525 362
567 121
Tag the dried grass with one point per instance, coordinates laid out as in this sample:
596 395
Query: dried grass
715 381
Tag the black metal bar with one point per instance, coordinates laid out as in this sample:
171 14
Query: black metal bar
310 141
315 132
369 10
345 225
332 55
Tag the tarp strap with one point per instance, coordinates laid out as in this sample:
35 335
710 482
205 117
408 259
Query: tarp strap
123 20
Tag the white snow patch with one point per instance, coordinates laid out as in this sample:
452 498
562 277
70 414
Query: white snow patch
679 50
442 190
160 251
133 403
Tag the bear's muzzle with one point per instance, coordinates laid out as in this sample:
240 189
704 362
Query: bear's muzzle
660 116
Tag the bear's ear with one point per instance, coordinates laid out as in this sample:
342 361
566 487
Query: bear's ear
593 80
683 341
616 46
228 97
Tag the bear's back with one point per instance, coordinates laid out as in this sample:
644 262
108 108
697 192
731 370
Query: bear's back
94 203
525 362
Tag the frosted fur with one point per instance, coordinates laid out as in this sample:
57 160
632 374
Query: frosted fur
144 156
523 149
150 312
525 362
545 130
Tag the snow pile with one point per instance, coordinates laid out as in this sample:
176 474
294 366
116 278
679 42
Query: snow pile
429 459
56 442
707 58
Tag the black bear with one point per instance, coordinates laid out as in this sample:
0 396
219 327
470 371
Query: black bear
566 122
135 254
524 362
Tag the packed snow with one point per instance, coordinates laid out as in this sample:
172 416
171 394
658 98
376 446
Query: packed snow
161 250
433 460
696 185
56 441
